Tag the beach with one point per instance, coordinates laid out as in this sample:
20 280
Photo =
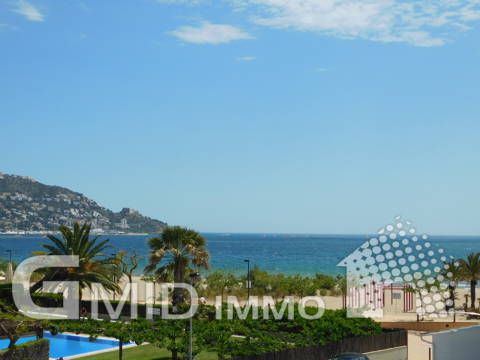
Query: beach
393 314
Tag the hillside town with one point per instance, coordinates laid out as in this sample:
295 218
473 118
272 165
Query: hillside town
27 206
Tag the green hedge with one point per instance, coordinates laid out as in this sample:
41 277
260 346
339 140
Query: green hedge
6 292
24 345
32 350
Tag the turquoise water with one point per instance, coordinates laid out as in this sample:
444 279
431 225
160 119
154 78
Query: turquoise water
68 345
279 253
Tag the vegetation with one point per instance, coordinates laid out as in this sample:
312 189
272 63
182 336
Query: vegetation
154 281
28 205
126 265
146 352
174 255
453 272
180 248
470 271
220 283
13 325
170 335
226 338
94 266
125 332
276 285
24 345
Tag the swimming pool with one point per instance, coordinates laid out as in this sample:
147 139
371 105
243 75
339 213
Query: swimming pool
62 345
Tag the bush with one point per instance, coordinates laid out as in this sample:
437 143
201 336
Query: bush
260 336
264 283
37 349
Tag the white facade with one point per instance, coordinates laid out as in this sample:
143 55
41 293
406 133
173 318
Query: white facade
455 344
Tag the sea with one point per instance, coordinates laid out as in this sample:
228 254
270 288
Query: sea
289 254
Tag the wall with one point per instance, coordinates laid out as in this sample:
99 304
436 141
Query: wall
426 325
34 350
419 346
458 344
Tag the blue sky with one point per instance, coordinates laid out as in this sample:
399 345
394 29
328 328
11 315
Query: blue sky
307 116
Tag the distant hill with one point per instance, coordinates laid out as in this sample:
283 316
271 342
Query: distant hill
27 205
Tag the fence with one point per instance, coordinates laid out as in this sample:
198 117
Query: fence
428 326
362 344
373 295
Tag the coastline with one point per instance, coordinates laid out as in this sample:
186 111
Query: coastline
45 233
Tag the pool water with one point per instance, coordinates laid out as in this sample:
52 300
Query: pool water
62 345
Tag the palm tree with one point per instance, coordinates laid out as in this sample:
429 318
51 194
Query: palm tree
177 247
453 273
470 269
93 267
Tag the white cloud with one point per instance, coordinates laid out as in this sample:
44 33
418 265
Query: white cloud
28 10
246 58
417 22
208 33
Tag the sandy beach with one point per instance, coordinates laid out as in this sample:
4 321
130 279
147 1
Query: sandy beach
331 302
